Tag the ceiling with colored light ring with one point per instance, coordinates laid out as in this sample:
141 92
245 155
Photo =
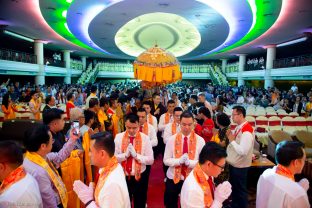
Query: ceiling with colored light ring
215 26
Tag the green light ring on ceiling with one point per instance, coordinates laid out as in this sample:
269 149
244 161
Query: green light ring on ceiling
263 22
61 26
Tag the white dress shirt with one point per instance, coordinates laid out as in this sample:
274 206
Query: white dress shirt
146 157
277 191
114 192
168 132
154 122
192 195
162 124
23 194
152 135
240 150
172 162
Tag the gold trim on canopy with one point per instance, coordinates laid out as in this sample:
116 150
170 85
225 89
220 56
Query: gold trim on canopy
156 67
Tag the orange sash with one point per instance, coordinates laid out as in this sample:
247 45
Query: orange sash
204 185
138 148
145 128
15 176
282 170
167 118
178 144
36 115
173 128
150 119
112 164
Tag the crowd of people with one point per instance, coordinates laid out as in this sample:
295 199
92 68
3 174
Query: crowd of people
117 131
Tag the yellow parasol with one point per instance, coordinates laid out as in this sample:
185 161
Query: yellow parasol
156 67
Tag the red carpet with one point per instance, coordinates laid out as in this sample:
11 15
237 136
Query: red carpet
156 186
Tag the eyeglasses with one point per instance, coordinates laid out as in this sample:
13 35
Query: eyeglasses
222 167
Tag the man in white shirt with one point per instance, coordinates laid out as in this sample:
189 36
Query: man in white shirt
111 189
210 164
167 117
181 155
18 188
174 127
239 156
202 99
134 151
277 187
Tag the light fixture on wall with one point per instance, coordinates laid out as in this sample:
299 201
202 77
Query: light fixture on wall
17 36
292 42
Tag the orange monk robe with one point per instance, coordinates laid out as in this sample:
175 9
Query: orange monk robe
72 169
69 105
86 157
36 107
9 113
102 117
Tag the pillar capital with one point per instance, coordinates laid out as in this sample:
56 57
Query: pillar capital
269 46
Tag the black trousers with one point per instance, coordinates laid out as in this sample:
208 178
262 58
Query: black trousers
238 180
172 192
138 190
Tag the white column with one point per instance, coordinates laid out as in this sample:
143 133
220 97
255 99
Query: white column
224 62
271 55
38 47
66 55
241 69
84 62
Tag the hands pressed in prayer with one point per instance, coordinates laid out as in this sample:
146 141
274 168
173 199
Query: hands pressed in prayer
222 192
132 151
230 135
304 183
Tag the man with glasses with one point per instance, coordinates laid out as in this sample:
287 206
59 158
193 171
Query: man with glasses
181 155
239 151
210 164
174 127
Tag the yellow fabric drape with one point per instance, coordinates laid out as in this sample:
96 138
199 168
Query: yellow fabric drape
86 157
167 74
159 75
72 169
102 117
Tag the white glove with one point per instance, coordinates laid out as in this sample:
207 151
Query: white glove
304 183
187 160
84 192
127 152
132 151
222 192
183 159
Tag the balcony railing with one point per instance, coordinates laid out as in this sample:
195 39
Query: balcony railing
304 60
18 56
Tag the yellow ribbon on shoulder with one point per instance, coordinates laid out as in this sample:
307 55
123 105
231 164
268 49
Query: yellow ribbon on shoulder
86 157
53 174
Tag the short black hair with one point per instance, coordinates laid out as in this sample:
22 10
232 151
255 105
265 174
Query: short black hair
104 140
147 102
194 97
240 109
204 111
93 102
48 99
52 114
177 109
186 114
141 110
35 137
212 152
286 151
133 118
88 115
93 88
103 101
223 119
69 95
170 102
155 94
11 152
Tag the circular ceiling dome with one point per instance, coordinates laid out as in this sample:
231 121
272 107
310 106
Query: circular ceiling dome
169 31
